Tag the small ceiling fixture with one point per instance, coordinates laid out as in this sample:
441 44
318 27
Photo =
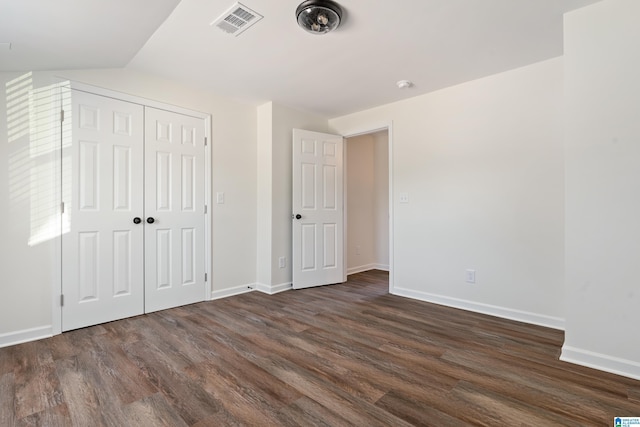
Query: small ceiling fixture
318 16
404 84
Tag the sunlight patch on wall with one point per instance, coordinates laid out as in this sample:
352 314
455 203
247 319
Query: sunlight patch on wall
65 163
35 132
18 91
44 152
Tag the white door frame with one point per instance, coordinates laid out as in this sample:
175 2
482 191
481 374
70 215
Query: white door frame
56 289
365 130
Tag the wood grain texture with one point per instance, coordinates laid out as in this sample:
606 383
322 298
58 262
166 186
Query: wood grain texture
348 354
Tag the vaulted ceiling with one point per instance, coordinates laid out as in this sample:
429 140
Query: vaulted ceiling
433 43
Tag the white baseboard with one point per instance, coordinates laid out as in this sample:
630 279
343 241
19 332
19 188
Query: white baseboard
273 289
26 335
492 310
601 362
229 292
367 267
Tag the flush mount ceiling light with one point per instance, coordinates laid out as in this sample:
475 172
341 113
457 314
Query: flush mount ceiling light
318 16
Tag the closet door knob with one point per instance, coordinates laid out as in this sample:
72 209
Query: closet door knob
137 220
150 220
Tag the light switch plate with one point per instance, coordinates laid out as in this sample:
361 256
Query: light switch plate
470 276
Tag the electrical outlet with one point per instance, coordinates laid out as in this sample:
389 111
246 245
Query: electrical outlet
470 276
282 262
404 197
357 250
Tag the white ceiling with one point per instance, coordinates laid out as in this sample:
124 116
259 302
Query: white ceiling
434 43
71 34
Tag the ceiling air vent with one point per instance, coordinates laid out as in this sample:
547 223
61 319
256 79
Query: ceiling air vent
237 19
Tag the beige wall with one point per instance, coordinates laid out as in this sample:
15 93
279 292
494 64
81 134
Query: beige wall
381 200
367 202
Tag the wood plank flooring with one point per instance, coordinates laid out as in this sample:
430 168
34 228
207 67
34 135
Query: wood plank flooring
340 355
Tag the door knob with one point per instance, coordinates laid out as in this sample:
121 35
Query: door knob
137 220
298 216
150 220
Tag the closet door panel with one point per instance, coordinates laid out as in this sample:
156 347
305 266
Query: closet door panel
102 252
174 199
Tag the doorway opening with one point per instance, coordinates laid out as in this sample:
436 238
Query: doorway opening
367 231
321 212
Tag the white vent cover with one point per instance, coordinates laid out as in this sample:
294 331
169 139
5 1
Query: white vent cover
237 19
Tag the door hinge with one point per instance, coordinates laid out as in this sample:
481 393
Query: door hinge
205 141
205 277
62 207
62 300
205 208
62 115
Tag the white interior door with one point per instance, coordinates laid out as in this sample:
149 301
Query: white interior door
102 269
318 217
174 209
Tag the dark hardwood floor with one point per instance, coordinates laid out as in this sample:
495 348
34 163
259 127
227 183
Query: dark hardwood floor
339 355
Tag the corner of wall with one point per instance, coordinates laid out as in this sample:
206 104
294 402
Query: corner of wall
601 362
273 289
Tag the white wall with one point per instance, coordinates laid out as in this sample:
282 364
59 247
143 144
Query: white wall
28 272
275 162
27 196
482 163
265 194
602 70
367 202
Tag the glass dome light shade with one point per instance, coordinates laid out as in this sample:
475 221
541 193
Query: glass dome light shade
318 17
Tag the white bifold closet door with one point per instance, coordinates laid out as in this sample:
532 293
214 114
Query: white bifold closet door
133 195
103 189
174 198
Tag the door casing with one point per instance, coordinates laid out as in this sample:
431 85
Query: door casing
365 130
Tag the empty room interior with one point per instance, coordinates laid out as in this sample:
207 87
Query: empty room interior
274 212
